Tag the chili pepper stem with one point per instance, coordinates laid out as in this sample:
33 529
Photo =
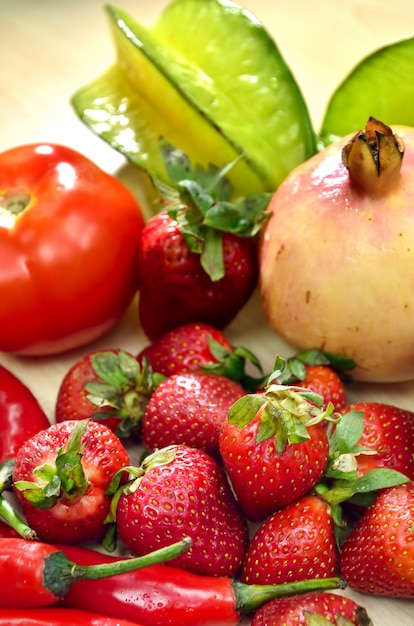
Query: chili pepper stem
251 597
7 512
60 573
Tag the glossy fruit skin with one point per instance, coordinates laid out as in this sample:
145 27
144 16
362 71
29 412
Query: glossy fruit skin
378 556
184 348
324 381
21 415
183 597
54 616
290 611
33 590
344 299
175 289
263 480
188 496
81 518
294 543
190 409
70 258
390 431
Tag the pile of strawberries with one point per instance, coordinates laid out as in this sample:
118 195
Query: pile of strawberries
274 477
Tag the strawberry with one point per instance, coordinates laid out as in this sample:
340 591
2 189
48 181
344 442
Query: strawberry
321 373
197 257
378 556
274 448
324 381
389 432
294 543
310 609
350 477
180 491
200 347
189 409
60 478
108 386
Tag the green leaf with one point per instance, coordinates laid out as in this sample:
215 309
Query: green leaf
215 181
245 409
177 164
129 365
379 478
268 426
101 394
212 259
348 431
195 196
107 367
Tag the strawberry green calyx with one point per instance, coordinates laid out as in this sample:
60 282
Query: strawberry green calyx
233 365
373 157
116 487
341 482
293 369
66 480
286 411
123 390
200 202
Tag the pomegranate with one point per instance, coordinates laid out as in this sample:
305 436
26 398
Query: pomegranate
337 254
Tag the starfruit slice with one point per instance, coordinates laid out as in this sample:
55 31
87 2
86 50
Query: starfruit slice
257 102
133 104
240 98
380 86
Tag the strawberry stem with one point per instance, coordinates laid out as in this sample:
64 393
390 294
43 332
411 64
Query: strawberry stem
250 597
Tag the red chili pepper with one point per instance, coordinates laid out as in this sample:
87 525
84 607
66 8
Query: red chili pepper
7 531
164 595
52 616
36 574
21 415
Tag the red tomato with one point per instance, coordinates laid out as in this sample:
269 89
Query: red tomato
69 235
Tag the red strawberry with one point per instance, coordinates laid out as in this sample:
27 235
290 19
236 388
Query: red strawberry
199 347
294 543
198 258
108 386
389 431
301 610
323 380
273 448
181 491
378 556
61 476
321 373
174 287
189 409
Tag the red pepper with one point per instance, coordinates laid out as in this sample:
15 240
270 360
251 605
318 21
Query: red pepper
52 616
36 574
163 595
7 531
21 415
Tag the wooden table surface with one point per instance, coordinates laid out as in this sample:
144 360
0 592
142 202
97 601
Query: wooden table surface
48 49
